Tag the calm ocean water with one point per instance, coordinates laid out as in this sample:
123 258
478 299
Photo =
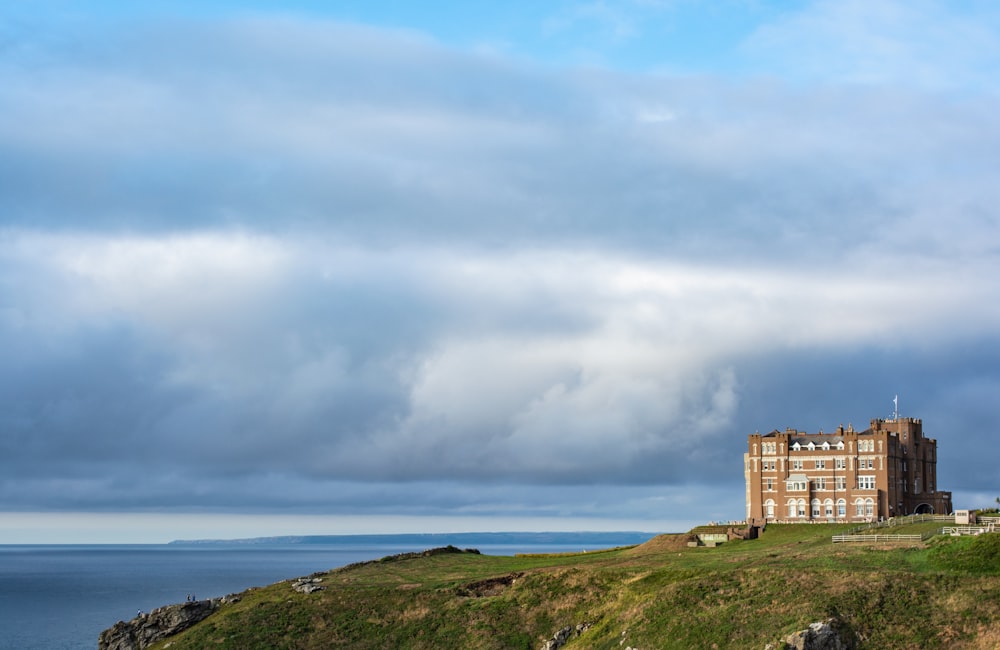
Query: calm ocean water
61 597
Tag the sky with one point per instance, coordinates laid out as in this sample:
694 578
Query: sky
350 267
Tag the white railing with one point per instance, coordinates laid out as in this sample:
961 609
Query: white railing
875 539
967 530
901 521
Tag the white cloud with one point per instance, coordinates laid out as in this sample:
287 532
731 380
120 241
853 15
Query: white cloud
542 364
921 43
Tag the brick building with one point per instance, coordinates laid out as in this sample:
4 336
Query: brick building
886 470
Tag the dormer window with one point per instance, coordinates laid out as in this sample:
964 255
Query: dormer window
840 445
811 446
826 446
796 447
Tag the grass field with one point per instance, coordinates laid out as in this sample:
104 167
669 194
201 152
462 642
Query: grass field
663 594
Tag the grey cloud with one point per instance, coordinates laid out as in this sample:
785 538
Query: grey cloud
278 124
328 268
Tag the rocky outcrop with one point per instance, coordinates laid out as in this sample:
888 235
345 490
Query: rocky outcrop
831 634
146 629
560 638
308 585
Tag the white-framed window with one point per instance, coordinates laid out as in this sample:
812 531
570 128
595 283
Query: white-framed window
841 483
826 446
768 447
797 486
769 509
811 446
869 507
859 508
815 508
820 483
828 508
801 507
796 447
792 509
820 464
840 463
840 445
796 464
866 482
841 508
769 484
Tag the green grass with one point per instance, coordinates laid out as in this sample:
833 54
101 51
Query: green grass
663 594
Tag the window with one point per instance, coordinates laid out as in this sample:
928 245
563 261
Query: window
796 464
859 508
840 445
869 507
802 507
820 484
826 446
768 447
769 509
841 508
828 508
796 447
820 464
811 446
797 486
815 508
840 463
791 509
841 483
866 482
770 484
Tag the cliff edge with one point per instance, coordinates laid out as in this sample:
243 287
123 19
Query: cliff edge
146 629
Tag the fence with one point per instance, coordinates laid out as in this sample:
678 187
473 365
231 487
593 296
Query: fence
900 521
875 539
856 534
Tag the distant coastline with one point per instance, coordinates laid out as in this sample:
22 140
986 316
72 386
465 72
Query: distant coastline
586 539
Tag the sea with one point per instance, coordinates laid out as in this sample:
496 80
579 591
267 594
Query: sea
60 597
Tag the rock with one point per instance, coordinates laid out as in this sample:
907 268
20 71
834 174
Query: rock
560 638
308 585
831 634
146 629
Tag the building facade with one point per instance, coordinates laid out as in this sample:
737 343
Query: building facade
887 470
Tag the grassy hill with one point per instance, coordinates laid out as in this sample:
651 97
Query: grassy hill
663 594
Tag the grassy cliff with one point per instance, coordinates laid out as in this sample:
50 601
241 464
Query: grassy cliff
663 594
